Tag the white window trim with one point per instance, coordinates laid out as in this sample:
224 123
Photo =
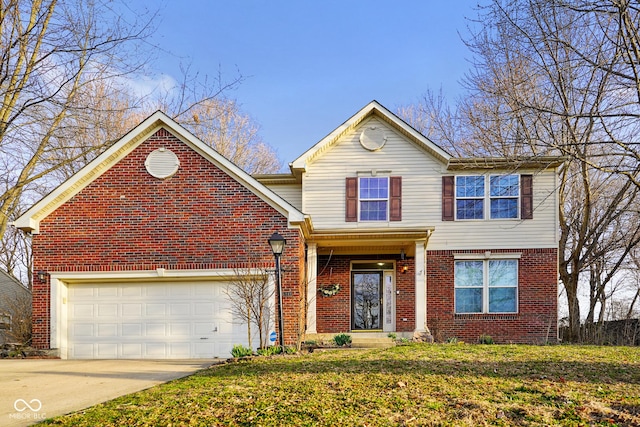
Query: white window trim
5 320
486 199
379 221
485 258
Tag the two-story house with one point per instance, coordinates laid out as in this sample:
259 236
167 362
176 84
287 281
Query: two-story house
386 232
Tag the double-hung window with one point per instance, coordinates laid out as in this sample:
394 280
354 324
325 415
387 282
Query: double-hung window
470 197
504 193
486 286
477 194
374 198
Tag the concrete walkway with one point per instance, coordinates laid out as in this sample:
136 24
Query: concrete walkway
32 390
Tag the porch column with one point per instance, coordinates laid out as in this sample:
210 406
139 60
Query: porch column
312 272
421 285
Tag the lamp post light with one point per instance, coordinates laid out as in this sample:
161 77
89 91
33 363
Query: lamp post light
277 242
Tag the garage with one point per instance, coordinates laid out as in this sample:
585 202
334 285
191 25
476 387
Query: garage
151 320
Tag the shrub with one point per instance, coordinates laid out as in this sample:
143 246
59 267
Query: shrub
269 351
342 339
239 350
485 339
392 335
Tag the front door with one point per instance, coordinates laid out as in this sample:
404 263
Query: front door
366 304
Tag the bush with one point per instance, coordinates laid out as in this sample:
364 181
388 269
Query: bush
342 339
239 350
485 339
269 351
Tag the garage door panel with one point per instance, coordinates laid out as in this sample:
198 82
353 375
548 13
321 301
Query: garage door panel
107 330
132 310
132 351
107 350
151 320
107 310
132 329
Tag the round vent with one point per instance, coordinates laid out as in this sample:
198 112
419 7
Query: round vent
162 163
373 138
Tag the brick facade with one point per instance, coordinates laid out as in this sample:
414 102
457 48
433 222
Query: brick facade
200 218
536 320
334 312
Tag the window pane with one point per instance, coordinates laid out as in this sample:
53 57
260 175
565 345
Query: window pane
469 208
470 186
374 188
468 300
468 274
502 300
504 186
504 208
503 273
373 211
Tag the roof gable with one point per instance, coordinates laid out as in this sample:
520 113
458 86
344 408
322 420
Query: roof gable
30 220
372 109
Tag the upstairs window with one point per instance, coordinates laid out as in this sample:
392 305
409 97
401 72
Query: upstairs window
374 199
468 197
504 193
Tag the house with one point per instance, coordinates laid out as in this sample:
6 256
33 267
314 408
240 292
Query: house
15 299
385 232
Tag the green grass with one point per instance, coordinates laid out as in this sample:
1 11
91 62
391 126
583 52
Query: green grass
417 384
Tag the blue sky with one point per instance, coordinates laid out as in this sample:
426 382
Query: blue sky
311 65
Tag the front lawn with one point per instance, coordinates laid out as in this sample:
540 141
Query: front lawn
417 384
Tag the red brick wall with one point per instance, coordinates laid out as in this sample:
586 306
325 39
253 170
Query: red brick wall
536 320
128 220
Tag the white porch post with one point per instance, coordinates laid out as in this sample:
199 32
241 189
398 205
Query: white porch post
312 272
421 285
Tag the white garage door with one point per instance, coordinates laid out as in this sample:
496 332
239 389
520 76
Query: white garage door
151 321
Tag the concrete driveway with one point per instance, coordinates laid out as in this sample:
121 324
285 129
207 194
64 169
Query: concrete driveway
32 390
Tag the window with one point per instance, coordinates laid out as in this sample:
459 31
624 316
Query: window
374 199
472 199
504 191
486 286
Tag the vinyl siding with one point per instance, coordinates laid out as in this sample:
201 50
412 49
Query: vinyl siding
323 195
292 193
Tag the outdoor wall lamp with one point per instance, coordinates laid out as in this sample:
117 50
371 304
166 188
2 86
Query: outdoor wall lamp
403 263
277 242
42 275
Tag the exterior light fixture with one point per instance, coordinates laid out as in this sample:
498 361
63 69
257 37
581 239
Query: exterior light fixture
277 242
42 275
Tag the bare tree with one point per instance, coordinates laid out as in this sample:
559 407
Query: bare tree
555 78
250 293
221 124
52 52
17 309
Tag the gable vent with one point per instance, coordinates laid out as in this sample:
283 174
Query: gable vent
162 163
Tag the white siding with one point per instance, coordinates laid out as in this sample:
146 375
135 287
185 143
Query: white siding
292 193
323 195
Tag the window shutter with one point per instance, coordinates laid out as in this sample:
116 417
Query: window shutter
351 205
448 198
526 196
395 198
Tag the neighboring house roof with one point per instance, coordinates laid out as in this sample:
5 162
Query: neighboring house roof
10 287
371 109
30 220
